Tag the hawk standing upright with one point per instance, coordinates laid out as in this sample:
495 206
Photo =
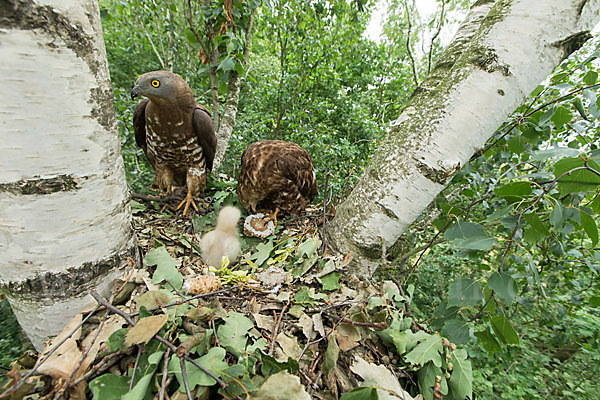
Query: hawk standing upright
175 133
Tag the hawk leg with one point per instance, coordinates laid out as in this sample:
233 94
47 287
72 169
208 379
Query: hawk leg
189 199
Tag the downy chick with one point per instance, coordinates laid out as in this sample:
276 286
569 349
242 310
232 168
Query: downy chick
223 240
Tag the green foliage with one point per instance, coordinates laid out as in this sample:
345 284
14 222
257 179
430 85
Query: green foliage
10 342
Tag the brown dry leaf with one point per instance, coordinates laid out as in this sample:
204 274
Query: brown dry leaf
318 324
202 284
264 321
306 323
346 260
348 336
281 385
289 347
63 361
151 299
379 376
145 329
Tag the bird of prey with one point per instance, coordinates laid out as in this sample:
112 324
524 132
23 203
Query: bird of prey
175 133
278 174
223 240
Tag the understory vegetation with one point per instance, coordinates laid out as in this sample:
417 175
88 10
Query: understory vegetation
502 272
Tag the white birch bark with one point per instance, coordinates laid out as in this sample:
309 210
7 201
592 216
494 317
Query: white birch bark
501 52
65 221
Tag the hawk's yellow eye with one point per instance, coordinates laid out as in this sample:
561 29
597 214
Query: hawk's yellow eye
155 83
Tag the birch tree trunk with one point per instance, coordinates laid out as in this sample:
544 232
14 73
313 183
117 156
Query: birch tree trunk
65 221
501 52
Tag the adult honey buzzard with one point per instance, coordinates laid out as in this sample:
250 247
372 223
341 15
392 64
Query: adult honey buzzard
175 133
278 174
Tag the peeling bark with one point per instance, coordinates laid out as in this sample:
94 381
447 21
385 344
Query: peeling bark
501 52
65 221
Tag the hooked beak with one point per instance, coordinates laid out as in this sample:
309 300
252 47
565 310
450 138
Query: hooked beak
135 92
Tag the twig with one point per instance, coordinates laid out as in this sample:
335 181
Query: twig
162 199
135 365
100 367
439 29
50 352
378 325
163 385
324 244
276 328
185 380
408 49
162 340
180 302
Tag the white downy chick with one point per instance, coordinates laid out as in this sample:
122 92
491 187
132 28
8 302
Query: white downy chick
223 240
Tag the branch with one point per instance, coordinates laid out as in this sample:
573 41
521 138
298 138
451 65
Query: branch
408 49
439 29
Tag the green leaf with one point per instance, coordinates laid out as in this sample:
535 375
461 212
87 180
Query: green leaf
589 226
578 180
308 247
590 78
504 285
233 334
166 269
331 354
428 350
427 376
263 252
547 115
504 330
228 64
595 301
561 117
467 235
136 206
213 361
514 191
534 220
270 365
580 108
189 35
461 380
457 331
306 295
464 292
361 393
116 341
331 281
559 152
516 144
488 341
109 387
139 390
557 216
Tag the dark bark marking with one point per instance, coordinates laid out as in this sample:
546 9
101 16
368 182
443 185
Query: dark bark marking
41 186
572 43
74 282
26 15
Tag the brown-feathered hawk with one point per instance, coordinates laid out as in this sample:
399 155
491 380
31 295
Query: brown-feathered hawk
278 174
175 132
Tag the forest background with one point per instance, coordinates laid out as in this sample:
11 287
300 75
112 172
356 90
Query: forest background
310 75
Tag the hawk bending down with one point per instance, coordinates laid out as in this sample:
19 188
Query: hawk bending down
278 174
175 133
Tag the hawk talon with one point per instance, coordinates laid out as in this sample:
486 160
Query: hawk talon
188 200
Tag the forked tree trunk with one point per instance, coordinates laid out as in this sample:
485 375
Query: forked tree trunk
501 52
65 221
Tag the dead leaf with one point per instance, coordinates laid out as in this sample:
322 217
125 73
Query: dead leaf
348 336
281 385
318 324
145 329
306 323
272 276
289 347
379 376
264 321
151 299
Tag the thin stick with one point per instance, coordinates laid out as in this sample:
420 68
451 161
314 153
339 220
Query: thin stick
40 362
323 245
163 384
135 365
162 340
276 328
185 380
180 302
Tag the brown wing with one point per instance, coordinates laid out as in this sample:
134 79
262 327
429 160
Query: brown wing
139 124
203 128
295 164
